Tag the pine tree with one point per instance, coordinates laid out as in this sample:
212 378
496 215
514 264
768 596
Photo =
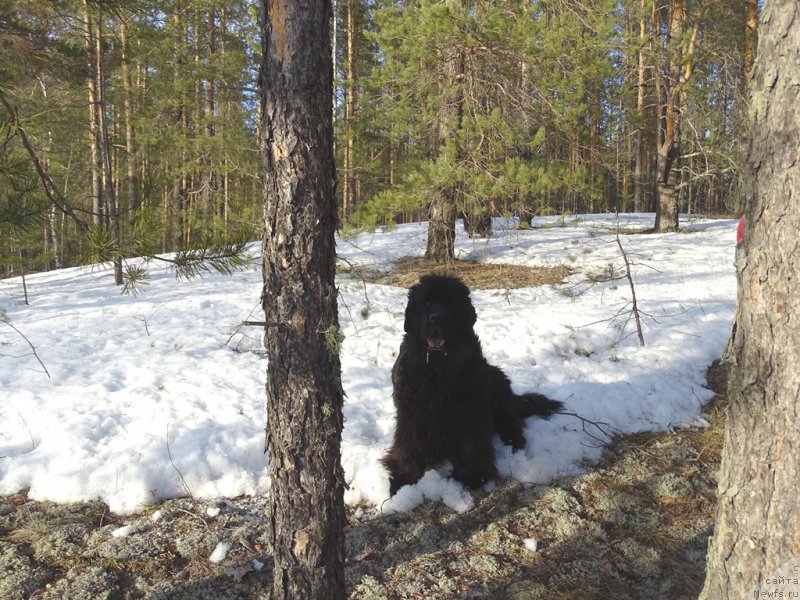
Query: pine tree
135 169
753 551
304 393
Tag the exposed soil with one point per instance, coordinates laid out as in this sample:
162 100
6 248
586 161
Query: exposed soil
635 525
407 272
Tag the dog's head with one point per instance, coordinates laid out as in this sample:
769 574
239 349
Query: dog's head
439 312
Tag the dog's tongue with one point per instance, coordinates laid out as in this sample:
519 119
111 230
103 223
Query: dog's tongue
435 343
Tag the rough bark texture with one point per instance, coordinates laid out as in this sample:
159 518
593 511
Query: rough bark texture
442 226
667 208
304 395
443 208
641 98
750 38
757 539
667 98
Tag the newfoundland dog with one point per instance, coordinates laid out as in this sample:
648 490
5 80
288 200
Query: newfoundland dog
450 401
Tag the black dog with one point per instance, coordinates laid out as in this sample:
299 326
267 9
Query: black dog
450 401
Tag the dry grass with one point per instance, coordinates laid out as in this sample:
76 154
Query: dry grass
478 276
31 531
709 441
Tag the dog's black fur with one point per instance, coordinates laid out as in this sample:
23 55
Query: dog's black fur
450 401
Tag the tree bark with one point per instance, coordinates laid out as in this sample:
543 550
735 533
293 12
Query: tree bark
209 177
668 102
304 394
443 208
351 100
223 107
441 226
91 83
180 120
104 144
750 39
641 89
756 539
749 59
679 51
132 180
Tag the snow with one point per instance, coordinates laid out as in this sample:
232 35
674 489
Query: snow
531 544
123 531
159 395
220 552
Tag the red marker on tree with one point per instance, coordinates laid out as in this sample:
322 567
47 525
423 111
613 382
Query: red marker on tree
740 231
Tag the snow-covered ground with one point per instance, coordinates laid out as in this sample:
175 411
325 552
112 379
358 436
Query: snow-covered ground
157 395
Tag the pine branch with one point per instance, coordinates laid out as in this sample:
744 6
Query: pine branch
193 263
134 278
222 255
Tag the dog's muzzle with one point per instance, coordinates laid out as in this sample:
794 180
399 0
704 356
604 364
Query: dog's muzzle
437 345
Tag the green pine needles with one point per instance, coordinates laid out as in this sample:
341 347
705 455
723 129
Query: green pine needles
221 252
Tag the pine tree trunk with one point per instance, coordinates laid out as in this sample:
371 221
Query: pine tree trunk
641 157
441 226
179 194
756 539
104 144
130 131
348 181
667 208
94 151
443 208
749 59
304 394
667 100
679 50
209 178
750 39
224 110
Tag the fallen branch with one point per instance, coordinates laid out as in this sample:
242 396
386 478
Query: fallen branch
35 441
33 348
183 481
634 306
604 429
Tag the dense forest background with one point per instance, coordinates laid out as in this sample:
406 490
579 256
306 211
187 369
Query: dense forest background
130 127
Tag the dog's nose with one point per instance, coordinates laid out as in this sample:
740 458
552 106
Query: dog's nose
435 317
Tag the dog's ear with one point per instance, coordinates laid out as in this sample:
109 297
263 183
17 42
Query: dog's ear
412 310
470 316
466 308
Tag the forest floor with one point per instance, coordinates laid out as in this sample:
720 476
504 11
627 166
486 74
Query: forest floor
635 525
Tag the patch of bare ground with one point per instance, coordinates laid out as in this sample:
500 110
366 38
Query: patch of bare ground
477 276
635 525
